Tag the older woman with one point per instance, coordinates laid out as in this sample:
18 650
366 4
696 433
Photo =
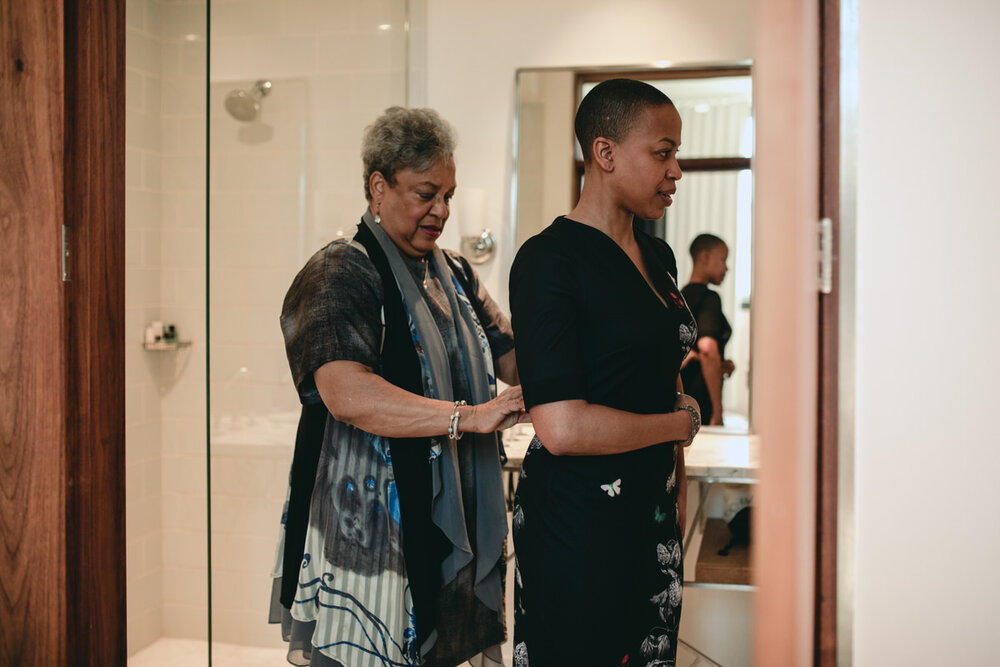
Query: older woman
602 329
394 346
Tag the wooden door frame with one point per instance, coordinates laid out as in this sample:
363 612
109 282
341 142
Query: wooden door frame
833 640
825 641
62 185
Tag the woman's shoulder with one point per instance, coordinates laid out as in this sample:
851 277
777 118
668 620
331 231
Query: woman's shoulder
341 264
560 238
659 246
346 257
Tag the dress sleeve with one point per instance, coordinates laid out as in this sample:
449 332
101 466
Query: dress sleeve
711 321
545 311
332 312
495 324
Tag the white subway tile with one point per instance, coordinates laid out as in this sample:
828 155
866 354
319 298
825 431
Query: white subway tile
184 474
187 622
154 18
309 17
249 627
278 57
184 210
185 436
182 248
133 246
370 14
142 52
180 20
185 400
142 208
184 96
152 97
184 512
152 170
254 19
185 586
151 248
185 173
135 14
142 286
194 59
135 95
142 130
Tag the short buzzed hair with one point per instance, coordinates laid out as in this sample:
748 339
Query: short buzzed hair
703 243
610 110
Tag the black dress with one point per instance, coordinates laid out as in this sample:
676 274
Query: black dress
599 569
707 309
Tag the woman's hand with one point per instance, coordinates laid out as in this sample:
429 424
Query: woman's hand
502 412
683 403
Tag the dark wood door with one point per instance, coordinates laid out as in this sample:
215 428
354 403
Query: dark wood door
828 456
62 433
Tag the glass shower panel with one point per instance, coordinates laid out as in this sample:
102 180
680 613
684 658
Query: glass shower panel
293 84
166 478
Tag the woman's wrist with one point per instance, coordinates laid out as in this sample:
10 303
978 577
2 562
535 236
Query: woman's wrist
693 421
469 419
455 426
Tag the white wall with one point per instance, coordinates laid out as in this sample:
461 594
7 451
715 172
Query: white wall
928 290
474 48
143 520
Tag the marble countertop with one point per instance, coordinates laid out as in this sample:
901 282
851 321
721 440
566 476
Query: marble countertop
713 456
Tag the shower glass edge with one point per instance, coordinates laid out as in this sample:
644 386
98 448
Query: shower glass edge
278 190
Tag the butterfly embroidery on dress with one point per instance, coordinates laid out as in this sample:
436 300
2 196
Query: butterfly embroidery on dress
614 488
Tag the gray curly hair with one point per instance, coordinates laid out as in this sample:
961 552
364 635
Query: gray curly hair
405 139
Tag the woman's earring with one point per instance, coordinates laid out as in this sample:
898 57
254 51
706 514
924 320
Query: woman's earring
378 218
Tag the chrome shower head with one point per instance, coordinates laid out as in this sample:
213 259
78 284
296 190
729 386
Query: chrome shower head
245 105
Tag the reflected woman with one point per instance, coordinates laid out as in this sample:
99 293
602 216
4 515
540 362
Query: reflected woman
393 549
602 328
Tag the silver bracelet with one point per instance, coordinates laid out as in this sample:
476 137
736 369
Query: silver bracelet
695 421
453 432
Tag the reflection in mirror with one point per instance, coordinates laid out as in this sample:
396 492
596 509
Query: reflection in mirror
715 197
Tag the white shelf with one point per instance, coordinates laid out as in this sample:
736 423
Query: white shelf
166 347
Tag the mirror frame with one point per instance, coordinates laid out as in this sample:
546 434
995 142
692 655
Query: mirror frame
662 70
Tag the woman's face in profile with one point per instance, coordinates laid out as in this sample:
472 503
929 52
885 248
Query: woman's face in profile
645 162
415 209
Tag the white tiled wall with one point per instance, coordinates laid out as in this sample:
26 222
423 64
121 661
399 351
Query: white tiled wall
280 188
143 416
183 248
165 281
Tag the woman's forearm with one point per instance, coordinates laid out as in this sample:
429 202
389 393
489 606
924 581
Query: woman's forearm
506 369
711 370
578 428
357 396
682 489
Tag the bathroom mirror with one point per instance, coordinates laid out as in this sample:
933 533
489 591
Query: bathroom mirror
714 195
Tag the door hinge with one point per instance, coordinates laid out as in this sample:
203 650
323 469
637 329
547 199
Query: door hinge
825 256
65 253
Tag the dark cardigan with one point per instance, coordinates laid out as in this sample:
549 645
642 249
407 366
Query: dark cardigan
424 545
